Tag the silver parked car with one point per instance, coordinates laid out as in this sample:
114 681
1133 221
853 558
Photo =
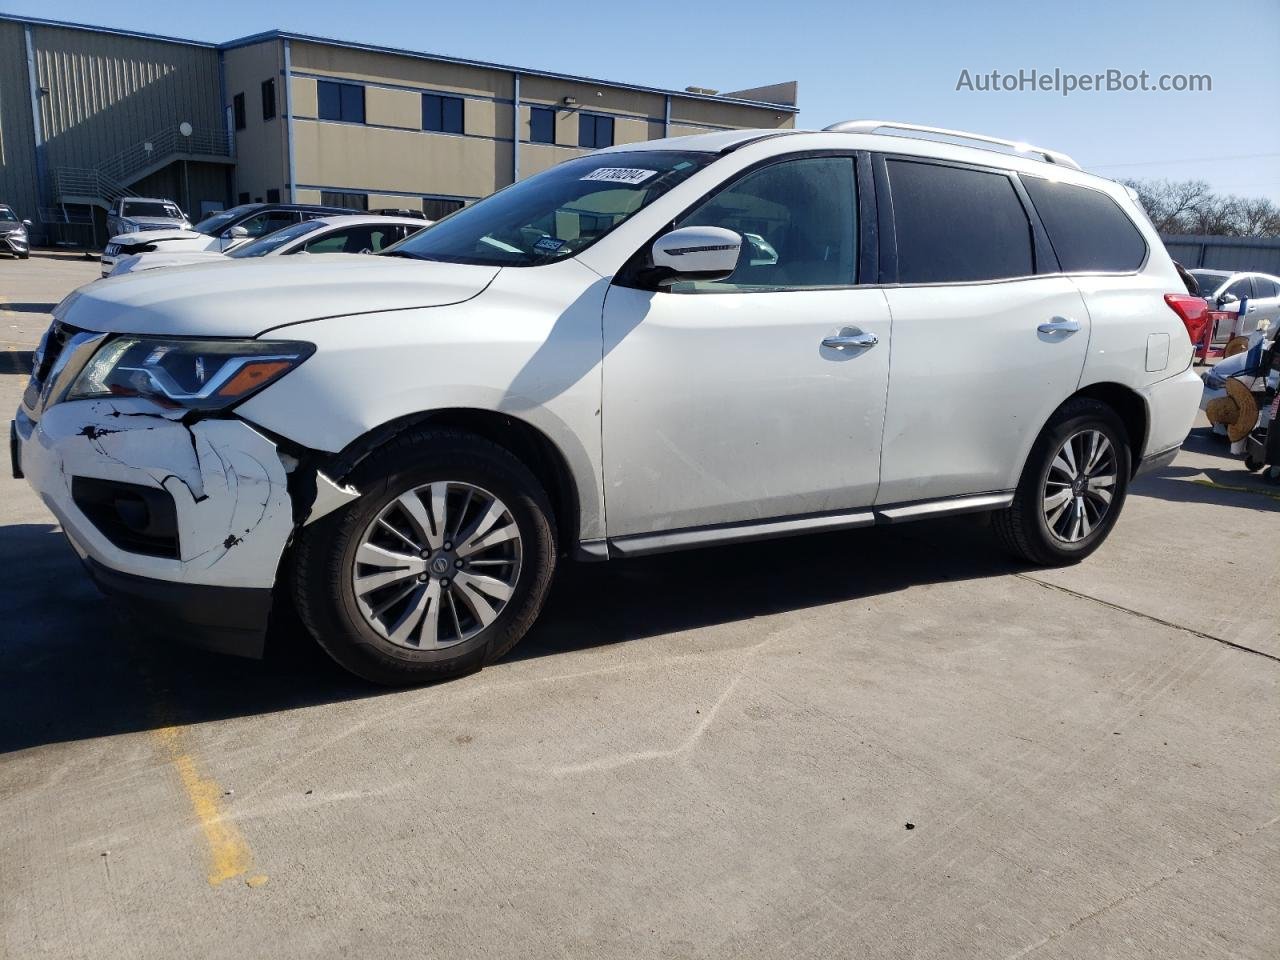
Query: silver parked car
142 214
1225 290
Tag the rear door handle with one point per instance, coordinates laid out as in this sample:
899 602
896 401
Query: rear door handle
1060 325
851 341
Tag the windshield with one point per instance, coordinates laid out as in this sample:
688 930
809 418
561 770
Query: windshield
151 208
7 214
557 213
1209 281
213 224
274 241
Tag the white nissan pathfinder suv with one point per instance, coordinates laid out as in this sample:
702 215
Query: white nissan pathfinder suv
665 345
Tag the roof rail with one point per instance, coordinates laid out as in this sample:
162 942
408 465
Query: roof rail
870 126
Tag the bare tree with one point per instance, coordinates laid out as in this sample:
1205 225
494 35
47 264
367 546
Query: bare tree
1191 206
1257 217
1172 204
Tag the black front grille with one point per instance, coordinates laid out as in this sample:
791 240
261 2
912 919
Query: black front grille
135 518
51 345
51 349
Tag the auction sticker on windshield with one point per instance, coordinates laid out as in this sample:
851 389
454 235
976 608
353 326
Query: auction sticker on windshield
620 174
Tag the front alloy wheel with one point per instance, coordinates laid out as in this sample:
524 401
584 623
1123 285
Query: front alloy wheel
438 568
437 565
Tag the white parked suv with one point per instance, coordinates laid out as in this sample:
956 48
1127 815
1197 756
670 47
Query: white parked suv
693 341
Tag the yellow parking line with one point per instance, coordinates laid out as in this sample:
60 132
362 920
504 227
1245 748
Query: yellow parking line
1236 489
229 854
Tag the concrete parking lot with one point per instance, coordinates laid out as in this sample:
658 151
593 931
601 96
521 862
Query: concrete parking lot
885 743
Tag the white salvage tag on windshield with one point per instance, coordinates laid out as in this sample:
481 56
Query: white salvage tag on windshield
620 174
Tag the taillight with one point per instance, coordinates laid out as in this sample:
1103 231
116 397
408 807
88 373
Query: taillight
1192 311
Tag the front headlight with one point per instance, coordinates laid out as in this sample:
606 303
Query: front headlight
195 374
128 226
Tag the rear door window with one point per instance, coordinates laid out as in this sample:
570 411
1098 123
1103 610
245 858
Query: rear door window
1265 288
1088 230
365 238
956 224
270 222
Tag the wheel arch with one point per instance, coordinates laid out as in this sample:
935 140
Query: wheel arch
1130 407
522 439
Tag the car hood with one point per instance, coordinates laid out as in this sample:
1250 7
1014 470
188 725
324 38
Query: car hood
135 262
151 236
243 298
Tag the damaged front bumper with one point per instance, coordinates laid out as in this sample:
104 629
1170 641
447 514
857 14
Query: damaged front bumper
186 521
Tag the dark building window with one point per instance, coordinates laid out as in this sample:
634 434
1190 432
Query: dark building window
542 125
273 195
434 209
242 198
595 131
352 201
269 99
340 101
237 107
441 114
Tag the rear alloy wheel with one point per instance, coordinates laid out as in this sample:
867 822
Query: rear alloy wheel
1072 487
440 566
1077 491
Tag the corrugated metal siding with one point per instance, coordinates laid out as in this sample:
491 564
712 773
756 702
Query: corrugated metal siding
17 140
108 93
1260 254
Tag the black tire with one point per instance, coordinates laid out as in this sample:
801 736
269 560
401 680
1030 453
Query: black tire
1250 464
24 256
1022 528
325 551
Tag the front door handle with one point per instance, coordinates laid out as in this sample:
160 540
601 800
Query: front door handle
851 341
1060 325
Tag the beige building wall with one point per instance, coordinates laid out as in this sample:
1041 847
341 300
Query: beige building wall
366 66
707 113
363 159
262 158
391 158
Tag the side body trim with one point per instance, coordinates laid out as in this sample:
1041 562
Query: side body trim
644 544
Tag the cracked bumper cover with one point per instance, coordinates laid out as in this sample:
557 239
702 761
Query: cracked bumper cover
229 487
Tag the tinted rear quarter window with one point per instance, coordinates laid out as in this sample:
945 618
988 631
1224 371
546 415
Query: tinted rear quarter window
955 224
1088 230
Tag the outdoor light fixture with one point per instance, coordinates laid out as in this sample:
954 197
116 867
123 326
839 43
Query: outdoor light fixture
570 101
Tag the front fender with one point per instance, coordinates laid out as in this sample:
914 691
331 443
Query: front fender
528 348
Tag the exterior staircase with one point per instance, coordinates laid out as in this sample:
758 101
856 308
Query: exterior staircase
103 185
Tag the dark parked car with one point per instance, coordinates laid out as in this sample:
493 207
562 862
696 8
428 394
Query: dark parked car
13 233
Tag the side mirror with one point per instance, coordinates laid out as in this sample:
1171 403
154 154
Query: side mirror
696 253
236 233
1227 298
26 223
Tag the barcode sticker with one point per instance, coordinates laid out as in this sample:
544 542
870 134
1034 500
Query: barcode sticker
629 175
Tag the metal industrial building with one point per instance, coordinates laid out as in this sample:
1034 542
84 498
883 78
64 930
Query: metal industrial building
90 114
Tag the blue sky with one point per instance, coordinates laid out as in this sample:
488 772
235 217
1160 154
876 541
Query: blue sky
881 60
